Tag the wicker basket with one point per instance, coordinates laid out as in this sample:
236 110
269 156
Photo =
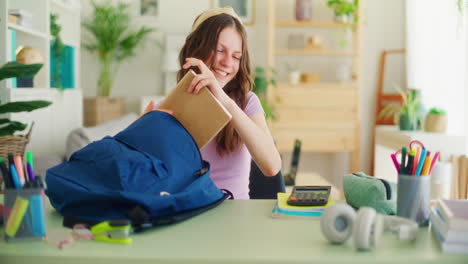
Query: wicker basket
15 145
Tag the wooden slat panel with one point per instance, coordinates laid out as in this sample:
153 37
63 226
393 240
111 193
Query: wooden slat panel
341 98
318 52
294 23
295 115
319 140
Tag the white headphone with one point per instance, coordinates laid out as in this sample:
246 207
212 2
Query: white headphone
340 221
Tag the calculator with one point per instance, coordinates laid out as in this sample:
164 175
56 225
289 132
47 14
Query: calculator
309 195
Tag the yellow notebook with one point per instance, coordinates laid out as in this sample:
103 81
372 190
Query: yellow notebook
201 114
283 205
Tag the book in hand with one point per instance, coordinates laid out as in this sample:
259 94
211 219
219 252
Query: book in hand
455 213
283 209
201 114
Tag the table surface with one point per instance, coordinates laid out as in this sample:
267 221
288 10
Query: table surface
237 231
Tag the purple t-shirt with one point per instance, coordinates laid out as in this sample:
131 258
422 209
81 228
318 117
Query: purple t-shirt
231 171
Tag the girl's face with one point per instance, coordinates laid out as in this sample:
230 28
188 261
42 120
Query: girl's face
225 59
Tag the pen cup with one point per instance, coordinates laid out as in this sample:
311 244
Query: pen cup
24 214
413 198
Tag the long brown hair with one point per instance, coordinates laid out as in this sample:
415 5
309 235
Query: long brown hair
200 44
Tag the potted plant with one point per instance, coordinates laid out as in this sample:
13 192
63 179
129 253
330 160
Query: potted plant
436 120
408 114
56 51
113 41
344 10
260 89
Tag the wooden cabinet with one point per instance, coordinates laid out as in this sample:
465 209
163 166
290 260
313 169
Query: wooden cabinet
52 124
324 114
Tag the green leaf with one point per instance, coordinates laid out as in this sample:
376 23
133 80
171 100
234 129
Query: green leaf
16 69
10 129
23 106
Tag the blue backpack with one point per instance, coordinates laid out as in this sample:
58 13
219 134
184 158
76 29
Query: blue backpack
151 173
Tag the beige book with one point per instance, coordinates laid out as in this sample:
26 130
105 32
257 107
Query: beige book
462 177
201 114
455 173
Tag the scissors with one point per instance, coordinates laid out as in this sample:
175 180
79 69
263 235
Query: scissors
416 147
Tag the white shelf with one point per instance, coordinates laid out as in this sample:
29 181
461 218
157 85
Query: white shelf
67 8
28 31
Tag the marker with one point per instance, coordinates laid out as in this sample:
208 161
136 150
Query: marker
434 161
16 216
19 168
14 177
427 166
409 167
421 162
395 162
29 159
403 160
6 175
30 172
416 160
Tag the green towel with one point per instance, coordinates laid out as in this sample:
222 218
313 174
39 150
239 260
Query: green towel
362 190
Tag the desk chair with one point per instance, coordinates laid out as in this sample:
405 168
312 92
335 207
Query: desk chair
263 187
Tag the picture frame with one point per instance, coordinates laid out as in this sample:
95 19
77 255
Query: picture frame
149 8
244 8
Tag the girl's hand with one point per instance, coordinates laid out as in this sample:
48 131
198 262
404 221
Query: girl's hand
150 107
206 78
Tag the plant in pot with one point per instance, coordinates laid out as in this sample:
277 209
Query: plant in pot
408 114
113 40
56 51
436 120
260 89
344 10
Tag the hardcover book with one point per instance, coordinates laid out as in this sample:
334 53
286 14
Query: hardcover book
201 114
455 213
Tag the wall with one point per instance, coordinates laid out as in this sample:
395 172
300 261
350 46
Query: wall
383 29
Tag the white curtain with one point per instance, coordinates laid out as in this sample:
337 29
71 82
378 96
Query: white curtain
437 57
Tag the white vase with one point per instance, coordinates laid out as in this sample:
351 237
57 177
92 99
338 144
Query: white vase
294 77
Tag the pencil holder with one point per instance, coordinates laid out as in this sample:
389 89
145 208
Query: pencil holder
24 214
413 198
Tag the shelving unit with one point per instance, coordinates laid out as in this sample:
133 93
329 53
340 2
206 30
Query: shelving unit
52 124
325 114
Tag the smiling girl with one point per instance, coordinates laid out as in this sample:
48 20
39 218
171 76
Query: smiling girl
216 49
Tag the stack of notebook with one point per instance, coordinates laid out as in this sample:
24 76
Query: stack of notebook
449 219
283 209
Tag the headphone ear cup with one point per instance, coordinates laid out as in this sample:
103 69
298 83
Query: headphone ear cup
337 222
367 228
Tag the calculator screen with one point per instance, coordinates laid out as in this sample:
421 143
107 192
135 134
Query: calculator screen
311 191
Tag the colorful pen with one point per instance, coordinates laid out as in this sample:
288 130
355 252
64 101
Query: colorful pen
14 177
409 166
30 172
19 168
29 159
6 175
416 160
434 160
403 160
427 165
395 162
420 162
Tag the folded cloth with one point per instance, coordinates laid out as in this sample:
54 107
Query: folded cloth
363 190
82 136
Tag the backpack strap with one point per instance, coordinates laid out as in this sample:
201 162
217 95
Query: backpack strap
228 193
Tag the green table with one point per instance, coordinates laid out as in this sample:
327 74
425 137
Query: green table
237 231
